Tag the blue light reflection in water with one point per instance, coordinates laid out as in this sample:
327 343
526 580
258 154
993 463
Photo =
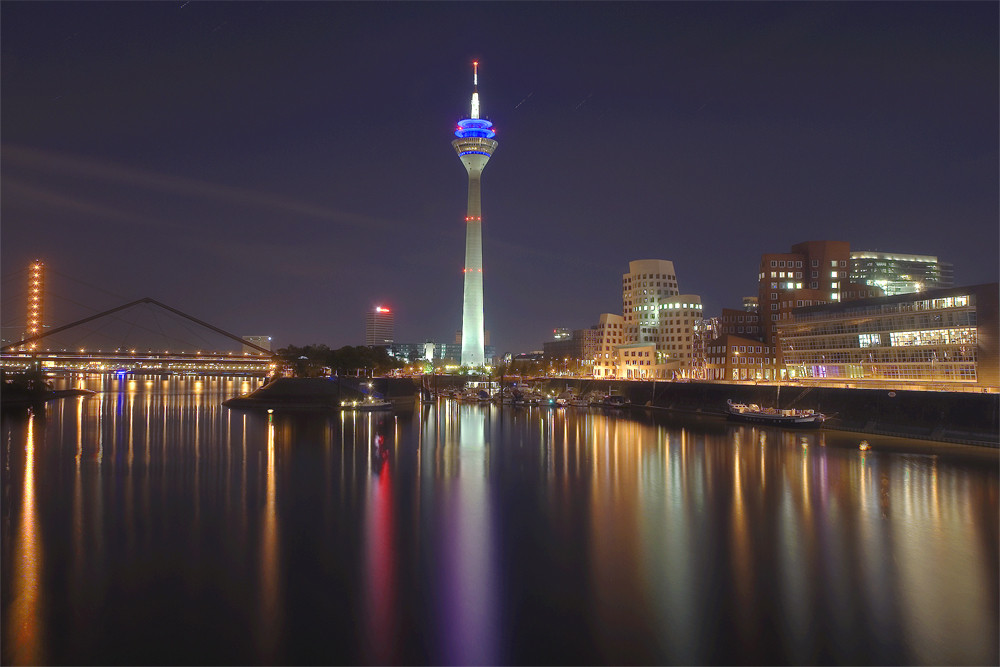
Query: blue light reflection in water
149 524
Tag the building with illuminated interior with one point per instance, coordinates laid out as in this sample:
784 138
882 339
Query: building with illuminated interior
734 357
435 352
610 335
379 326
898 273
937 339
814 272
655 316
573 351
474 144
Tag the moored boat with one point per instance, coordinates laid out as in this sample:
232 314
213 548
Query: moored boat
774 416
368 404
612 401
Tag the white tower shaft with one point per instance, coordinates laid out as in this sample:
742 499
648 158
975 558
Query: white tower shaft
473 326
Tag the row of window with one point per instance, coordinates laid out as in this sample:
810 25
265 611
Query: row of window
882 356
912 322
721 349
905 307
752 361
960 372
650 276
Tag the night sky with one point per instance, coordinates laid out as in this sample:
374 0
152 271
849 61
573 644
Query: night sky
281 168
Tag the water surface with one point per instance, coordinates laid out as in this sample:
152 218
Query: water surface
149 525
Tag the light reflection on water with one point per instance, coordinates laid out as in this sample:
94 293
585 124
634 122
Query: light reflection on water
175 530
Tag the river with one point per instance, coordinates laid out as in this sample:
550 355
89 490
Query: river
147 524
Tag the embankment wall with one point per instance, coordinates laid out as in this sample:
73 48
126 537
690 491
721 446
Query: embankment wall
963 417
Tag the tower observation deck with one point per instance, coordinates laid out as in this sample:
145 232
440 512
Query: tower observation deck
475 145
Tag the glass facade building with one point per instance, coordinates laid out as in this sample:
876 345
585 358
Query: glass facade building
897 273
936 339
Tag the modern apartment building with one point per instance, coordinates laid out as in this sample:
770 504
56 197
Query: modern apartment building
899 273
933 339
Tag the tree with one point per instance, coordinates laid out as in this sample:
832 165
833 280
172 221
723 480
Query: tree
314 360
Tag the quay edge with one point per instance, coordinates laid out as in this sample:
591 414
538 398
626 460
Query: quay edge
959 417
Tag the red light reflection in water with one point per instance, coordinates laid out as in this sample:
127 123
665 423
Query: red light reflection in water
380 565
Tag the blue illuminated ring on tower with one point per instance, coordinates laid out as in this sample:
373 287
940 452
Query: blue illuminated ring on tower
475 127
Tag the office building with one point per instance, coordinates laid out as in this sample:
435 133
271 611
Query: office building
435 352
898 273
733 357
475 145
573 351
744 323
932 339
259 341
813 272
379 326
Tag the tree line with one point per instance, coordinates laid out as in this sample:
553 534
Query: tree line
317 360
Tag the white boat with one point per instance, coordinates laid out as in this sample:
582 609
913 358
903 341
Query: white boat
366 404
774 416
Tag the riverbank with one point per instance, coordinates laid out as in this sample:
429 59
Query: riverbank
306 394
957 417
18 398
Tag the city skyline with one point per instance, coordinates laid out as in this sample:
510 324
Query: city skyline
249 163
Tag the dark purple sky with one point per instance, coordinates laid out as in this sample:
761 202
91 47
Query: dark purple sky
281 168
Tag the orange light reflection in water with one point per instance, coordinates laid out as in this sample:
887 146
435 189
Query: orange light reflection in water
270 612
25 626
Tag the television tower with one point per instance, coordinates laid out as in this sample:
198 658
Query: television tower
475 146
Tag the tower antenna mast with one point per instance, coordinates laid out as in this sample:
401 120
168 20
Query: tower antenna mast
475 90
